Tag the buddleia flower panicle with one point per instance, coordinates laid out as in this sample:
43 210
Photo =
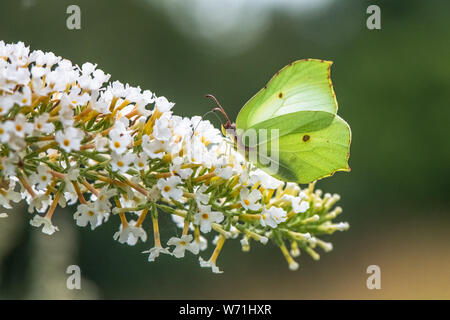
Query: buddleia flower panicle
118 154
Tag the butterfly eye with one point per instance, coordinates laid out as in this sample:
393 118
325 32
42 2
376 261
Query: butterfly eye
281 95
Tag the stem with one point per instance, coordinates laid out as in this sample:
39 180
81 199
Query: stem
141 218
123 219
27 186
53 205
78 191
90 187
218 248
156 231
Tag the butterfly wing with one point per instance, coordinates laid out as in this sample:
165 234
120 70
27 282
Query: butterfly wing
308 155
304 85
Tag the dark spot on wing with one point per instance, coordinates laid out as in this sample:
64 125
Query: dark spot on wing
306 138
280 95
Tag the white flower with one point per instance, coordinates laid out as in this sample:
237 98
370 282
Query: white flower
299 205
154 194
292 188
272 217
201 244
48 227
75 97
142 101
155 252
19 127
293 265
130 234
101 143
205 131
181 127
72 174
249 200
224 168
153 148
163 105
40 202
66 113
122 162
70 139
4 133
209 264
161 130
23 98
140 162
42 177
266 180
9 195
205 217
87 213
119 140
48 58
169 189
102 203
9 164
6 103
200 196
245 244
181 245
92 78
41 124
176 168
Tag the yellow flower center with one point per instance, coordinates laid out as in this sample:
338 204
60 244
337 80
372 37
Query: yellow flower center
166 188
66 142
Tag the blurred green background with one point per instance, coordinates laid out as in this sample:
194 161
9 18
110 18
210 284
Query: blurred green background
392 87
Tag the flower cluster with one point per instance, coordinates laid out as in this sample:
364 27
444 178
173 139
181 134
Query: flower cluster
71 137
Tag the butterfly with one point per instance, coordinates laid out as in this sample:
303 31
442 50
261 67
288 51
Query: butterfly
296 111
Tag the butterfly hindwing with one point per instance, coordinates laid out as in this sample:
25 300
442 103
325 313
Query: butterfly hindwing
307 156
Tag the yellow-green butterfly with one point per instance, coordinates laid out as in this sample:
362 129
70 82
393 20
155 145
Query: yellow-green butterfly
300 104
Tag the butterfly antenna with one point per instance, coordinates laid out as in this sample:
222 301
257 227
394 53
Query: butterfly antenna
220 108
210 111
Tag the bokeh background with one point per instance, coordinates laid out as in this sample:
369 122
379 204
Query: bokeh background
392 87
